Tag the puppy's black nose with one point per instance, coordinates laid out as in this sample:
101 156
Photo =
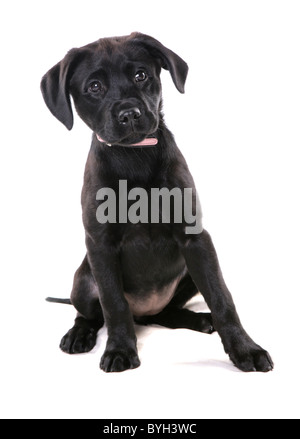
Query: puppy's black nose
129 115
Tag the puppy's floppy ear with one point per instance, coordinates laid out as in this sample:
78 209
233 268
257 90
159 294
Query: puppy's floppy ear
170 61
55 89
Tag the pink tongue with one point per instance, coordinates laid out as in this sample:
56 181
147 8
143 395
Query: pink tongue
151 141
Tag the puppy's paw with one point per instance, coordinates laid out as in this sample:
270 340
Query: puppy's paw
118 360
255 360
78 340
205 323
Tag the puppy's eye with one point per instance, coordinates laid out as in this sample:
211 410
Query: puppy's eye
140 76
95 87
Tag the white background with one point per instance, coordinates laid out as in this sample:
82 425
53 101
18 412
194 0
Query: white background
238 127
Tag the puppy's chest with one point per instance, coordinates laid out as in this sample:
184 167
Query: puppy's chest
152 267
148 246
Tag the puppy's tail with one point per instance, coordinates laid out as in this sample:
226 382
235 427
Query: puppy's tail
56 300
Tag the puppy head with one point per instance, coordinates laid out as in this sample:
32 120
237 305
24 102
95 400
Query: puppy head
115 85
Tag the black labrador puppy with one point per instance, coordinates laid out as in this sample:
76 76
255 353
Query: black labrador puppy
147 253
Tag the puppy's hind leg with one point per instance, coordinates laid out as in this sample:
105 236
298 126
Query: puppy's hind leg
82 336
175 318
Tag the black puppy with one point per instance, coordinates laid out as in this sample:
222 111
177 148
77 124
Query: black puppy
143 262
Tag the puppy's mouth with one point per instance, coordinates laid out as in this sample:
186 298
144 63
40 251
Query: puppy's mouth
131 141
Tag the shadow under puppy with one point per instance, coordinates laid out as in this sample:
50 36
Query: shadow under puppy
145 259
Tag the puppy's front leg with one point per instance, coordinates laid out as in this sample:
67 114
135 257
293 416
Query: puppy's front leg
203 266
121 351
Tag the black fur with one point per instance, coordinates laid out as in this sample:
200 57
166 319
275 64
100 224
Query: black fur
130 270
